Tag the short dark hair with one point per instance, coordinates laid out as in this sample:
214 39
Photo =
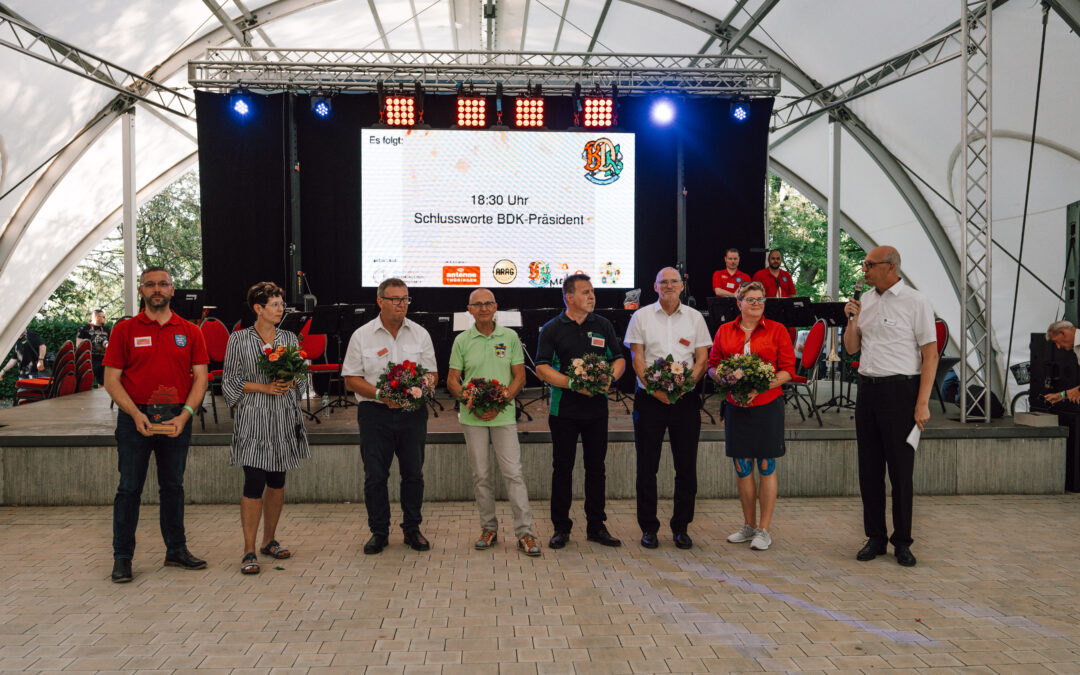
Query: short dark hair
387 283
569 285
260 293
98 311
155 268
733 250
771 250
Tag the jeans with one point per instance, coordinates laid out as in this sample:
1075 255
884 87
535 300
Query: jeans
564 440
133 459
682 421
385 433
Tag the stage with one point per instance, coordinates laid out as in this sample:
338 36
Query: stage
62 452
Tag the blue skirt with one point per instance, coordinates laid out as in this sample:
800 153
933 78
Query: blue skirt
756 431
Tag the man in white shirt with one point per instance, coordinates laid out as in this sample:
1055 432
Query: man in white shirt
1065 336
386 429
662 328
893 325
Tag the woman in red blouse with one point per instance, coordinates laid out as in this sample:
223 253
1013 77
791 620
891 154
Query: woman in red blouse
754 433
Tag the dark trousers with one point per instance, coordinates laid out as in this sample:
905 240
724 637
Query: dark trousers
564 439
682 422
133 459
97 365
884 416
384 434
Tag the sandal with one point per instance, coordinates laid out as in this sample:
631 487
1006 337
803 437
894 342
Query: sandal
275 550
250 564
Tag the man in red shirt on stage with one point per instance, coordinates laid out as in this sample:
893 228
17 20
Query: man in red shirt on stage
777 282
726 282
155 366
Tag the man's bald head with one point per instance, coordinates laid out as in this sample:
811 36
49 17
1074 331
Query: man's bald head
481 295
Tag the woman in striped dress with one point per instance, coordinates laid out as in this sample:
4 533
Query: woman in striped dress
269 436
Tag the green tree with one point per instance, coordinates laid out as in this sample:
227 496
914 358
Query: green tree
800 230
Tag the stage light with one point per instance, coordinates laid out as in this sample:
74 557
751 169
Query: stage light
320 105
400 110
240 104
528 111
598 111
740 111
471 111
662 112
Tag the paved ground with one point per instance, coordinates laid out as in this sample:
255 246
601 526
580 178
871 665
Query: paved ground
996 590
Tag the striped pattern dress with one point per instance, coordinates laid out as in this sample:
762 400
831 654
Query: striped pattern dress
269 431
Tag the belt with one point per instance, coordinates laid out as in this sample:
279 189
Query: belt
867 379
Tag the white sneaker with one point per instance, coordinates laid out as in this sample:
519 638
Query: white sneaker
745 534
762 540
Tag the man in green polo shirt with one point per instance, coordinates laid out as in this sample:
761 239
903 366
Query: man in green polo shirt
492 352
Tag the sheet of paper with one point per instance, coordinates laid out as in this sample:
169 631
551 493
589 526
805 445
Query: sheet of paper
913 437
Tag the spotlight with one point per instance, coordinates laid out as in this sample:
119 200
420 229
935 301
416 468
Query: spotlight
400 110
740 111
240 103
471 111
662 112
599 111
320 105
529 111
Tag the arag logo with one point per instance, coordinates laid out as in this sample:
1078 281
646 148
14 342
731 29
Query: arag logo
603 161
505 271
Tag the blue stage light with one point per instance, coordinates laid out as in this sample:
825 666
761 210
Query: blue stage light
662 112
740 111
320 105
241 106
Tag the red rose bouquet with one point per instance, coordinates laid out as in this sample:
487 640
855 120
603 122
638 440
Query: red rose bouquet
669 376
404 384
287 362
482 396
591 373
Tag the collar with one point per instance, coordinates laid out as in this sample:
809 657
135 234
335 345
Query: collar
736 324
473 332
896 289
174 320
658 308
405 323
565 318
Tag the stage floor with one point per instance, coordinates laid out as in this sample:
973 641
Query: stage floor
1004 603
88 419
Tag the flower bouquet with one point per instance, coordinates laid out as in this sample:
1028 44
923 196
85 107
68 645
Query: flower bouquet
669 376
287 362
404 384
742 374
590 373
482 396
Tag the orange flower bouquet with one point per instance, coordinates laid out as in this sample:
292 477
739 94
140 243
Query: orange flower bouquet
287 362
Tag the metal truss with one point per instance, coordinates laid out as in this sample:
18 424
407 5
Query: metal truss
976 349
34 43
556 73
941 49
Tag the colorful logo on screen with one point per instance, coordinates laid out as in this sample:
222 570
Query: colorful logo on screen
603 161
539 274
609 274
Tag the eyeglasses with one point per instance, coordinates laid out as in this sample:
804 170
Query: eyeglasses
482 305
150 285
670 282
398 301
754 301
871 263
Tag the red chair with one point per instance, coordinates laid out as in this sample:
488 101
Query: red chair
805 382
68 383
41 384
942 330
315 346
85 381
63 379
217 339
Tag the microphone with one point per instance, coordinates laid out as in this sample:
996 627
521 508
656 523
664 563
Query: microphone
858 293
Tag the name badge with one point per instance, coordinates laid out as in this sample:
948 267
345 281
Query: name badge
730 285
891 323
598 342
684 342
143 341
382 352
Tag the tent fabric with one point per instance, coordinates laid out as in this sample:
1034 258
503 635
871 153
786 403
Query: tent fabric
64 208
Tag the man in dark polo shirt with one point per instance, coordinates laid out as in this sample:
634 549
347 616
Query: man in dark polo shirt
575 414
156 357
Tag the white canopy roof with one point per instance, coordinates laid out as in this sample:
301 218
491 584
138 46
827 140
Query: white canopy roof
60 147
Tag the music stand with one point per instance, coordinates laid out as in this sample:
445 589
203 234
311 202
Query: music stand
833 315
721 310
831 312
532 320
293 321
335 321
188 303
438 325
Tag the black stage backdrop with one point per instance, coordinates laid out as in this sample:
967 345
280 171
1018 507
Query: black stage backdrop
244 183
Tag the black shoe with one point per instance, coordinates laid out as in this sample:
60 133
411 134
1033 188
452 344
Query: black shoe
649 540
417 541
183 558
871 550
601 536
904 556
376 544
683 540
121 570
559 539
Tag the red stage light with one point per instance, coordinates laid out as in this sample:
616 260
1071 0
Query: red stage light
400 111
528 112
471 111
598 111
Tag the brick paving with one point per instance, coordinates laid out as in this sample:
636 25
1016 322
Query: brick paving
996 590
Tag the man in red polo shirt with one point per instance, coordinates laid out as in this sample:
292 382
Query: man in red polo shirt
726 282
777 282
159 358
